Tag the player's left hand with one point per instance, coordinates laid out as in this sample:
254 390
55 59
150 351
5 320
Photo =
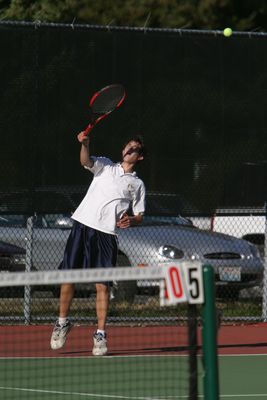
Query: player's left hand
124 222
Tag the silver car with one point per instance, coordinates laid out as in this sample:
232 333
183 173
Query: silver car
236 262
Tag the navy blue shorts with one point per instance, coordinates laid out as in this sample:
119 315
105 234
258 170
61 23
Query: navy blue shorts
89 248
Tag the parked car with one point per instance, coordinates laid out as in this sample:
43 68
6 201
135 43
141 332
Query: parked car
158 239
248 223
12 259
236 262
173 204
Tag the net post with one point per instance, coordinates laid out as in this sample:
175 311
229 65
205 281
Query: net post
209 337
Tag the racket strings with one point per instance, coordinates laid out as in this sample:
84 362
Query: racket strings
108 100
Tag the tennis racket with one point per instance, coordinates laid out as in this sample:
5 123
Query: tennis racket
103 103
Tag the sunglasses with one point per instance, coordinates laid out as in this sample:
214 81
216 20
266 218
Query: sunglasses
134 150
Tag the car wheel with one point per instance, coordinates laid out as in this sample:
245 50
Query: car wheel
56 291
126 290
228 293
12 292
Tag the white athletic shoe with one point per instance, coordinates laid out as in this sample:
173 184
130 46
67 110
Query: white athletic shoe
100 344
59 335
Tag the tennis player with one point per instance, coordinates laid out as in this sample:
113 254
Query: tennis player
93 241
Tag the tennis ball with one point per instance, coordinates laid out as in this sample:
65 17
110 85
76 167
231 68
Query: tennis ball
227 32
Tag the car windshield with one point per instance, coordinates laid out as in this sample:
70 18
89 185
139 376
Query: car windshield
168 205
13 220
158 220
53 210
64 221
39 221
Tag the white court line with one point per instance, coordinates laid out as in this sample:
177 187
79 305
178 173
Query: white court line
94 358
243 355
232 396
90 394
122 356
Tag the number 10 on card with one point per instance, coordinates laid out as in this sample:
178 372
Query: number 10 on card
182 283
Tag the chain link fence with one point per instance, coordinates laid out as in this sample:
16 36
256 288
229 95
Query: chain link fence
198 99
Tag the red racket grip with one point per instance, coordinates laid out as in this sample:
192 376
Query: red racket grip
87 130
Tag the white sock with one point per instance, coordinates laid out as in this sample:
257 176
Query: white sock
62 321
100 331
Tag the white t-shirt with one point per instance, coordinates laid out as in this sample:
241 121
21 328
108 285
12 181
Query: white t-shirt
109 196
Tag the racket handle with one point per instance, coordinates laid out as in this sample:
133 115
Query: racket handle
87 130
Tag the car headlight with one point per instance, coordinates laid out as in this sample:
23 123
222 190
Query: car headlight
170 251
254 250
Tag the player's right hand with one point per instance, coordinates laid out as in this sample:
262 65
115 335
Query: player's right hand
83 139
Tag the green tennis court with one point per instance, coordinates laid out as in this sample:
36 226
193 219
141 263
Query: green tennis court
126 377
243 377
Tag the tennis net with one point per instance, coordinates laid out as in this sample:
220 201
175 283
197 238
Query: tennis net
152 347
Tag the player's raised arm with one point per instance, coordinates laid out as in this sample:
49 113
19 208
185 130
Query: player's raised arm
85 150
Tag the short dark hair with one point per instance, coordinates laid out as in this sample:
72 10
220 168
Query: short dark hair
138 139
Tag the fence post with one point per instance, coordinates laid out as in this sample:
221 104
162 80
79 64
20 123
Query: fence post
209 337
264 286
28 267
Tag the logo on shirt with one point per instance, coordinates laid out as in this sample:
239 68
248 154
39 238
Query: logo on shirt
130 188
